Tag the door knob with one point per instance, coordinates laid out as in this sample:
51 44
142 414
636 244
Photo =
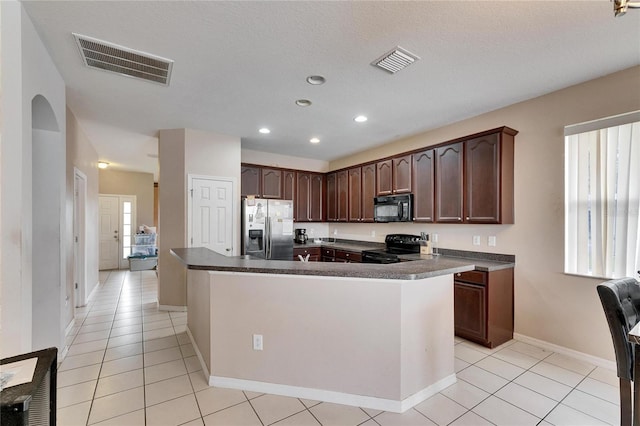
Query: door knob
228 249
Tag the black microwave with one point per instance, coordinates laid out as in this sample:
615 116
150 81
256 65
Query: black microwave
393 208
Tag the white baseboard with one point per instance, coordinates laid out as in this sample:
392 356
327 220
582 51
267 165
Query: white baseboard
394 406
72 323
92 294
63 353
172 308
600 362
200 358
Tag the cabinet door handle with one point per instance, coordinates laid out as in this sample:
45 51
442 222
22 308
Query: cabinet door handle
458 274
467 217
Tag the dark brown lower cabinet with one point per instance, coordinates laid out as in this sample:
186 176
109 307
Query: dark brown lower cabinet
348 256
483 306
328 255
313 252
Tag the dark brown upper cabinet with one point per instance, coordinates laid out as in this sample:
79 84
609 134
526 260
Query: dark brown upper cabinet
271 183
288 185
342 194
384 177
355 194
303 190
332 198
393 176
474 179
423 185
368 192
309 197
449 197
402 174
489 178
250 180
316 197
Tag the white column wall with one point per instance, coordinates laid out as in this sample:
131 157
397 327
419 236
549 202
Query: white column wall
31 73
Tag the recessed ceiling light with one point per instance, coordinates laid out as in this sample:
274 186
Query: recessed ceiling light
103 164
264 131
360 119
316 80
314 140
303 102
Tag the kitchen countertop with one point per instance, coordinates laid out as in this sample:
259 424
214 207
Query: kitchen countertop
485 262
204 259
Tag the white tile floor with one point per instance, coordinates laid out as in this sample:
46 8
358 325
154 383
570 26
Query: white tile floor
131 364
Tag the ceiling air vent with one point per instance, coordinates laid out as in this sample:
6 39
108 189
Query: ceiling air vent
395 60
124 61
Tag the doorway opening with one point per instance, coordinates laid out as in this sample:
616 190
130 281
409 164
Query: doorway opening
117 227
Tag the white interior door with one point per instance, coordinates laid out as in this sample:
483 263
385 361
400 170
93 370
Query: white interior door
109 228
212 214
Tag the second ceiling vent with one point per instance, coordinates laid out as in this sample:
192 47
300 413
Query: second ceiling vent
395 60
122 60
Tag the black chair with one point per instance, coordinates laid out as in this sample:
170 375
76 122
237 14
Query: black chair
621 303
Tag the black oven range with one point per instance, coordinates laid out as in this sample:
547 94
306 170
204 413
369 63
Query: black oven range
396 244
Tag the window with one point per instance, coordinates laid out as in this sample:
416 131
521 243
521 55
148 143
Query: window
126 229
602 197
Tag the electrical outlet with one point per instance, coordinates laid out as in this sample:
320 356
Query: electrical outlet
492 241
335 232
373 233
434 238
257 342
476 240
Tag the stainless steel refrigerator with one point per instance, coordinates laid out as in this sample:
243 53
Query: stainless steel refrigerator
267 228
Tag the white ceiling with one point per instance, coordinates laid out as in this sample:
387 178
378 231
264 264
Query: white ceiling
240 66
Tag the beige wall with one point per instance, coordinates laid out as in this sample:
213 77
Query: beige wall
172 185
364 337
284 161
549 305
82 155
184 152
131 183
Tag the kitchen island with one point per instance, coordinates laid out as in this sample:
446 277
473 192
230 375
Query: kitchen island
375 336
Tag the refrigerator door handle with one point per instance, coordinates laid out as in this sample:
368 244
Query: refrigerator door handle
267 245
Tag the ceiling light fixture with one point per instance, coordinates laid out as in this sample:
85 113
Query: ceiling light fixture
620 6
103 164
264 131
303 102
316 80
360 119
314 140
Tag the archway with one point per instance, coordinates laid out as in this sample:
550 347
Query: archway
47 197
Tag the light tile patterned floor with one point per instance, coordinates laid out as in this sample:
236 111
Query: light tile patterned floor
131 364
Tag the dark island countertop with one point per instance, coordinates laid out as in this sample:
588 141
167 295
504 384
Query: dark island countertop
204 259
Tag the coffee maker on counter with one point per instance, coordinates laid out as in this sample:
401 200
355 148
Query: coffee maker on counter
301 236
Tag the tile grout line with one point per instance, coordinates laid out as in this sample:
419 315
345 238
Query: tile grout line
557 403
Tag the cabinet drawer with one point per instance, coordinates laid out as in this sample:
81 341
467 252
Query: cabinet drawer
313 252
476 277
348 256
328 252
